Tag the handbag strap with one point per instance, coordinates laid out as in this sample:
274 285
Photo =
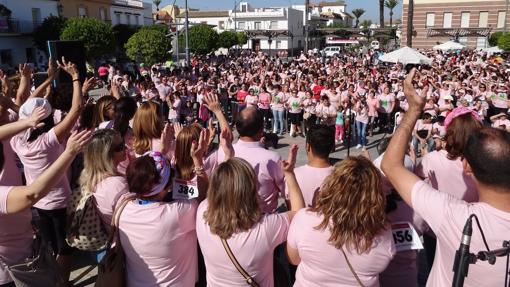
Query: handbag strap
352 269
238 266
114 235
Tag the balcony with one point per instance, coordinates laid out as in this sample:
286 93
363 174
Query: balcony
131 3
15 26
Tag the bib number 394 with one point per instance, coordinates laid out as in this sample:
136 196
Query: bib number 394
405 237
183 189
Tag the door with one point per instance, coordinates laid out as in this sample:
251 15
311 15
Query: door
255 43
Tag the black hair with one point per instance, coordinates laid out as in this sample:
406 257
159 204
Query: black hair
250 122
48 125
488 153
125 109
321 140
2 157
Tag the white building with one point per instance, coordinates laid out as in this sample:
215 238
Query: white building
220 20
270 29
16 43
327 13
131 12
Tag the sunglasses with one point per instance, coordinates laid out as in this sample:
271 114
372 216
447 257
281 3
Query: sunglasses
119 148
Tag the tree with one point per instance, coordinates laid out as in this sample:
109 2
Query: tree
156 2
337 25
50 29
97 36
493 39
504 42
358 13
366 28
242 38
410 16
4 11
202 39
391 4
122 34
227 39
149 46
381 13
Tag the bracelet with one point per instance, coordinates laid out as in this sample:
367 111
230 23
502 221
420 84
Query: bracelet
199 170
74 80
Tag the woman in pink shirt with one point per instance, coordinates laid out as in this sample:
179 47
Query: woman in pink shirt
232 214
263 105
373 106
346 228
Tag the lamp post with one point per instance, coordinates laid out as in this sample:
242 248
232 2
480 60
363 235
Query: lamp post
506 17
269 41
186 27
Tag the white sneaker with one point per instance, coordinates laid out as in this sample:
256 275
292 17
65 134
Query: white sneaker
358 146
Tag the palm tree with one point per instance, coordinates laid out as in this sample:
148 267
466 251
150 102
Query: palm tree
358 13
391 4
156 2
381 13
410 14
366 28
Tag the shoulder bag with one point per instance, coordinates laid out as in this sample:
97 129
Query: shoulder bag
352 269
249 280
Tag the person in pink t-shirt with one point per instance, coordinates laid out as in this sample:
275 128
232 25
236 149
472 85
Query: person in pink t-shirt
345 236
232 216
486 158
100 175
15 201
319 144
264 106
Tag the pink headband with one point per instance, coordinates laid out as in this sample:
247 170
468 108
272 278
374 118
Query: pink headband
459 112
164 170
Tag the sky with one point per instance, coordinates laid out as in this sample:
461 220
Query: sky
371 6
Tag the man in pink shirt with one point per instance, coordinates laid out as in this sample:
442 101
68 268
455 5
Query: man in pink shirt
250 126
319 144
487 160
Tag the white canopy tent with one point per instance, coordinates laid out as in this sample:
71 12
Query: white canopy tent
492 50
406 55
449 46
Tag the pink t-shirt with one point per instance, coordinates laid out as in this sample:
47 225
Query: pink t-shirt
447 216
372 107
107 193
266 166
385 102
310 180
253 249
264 101
447 175
160 243
15 235
323 265
36 157
10 174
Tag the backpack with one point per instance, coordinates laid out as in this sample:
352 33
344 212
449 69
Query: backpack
85 228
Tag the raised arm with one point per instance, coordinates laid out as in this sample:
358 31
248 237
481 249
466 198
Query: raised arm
63 129
11 129
393 160
198 151
53 70
296 201
213 104
24 84
23 197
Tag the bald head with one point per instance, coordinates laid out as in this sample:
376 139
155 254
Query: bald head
250 123
488 154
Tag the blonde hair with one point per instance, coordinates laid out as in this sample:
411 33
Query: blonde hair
102 105
352 204
233 199
147 125
98 159
183 160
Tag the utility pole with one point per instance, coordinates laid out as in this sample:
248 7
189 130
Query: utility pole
506 17
307 3
235 16
186 27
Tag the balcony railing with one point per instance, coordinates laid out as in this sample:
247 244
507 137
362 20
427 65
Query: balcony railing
14 26
132 3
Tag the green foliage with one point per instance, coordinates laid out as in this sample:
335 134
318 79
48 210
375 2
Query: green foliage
391 4
50 29
337 25
357 14
227 39
202 39
4 11
493 39
504 42
122 34
149 46
96 35
242 38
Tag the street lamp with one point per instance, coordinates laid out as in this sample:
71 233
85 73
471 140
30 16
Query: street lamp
186 27
269 41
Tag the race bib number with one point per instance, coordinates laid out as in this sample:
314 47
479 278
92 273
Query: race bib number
405 237
183 189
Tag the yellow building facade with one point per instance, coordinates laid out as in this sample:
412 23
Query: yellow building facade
99 9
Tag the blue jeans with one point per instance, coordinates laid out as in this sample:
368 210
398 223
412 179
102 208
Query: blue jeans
278 121
361 129
430 144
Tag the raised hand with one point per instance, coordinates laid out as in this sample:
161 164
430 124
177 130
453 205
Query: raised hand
177 129
88 84
198 149
24 70
53 69
212 129
415 101
77 141
288 165
37 116
212 103
226 138
167 135
69 68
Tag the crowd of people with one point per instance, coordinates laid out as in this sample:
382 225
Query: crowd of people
180 176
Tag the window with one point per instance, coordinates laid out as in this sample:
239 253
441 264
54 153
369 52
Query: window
299 44
137 20
278 44
447 20
128 19
273 25
481 42
82 11
501 19
244 7
464 19
36 16
102 14
482 22
221 25
6 57
431 17
241 25
257 26
117 18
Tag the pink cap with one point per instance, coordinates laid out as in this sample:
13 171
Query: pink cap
459 112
